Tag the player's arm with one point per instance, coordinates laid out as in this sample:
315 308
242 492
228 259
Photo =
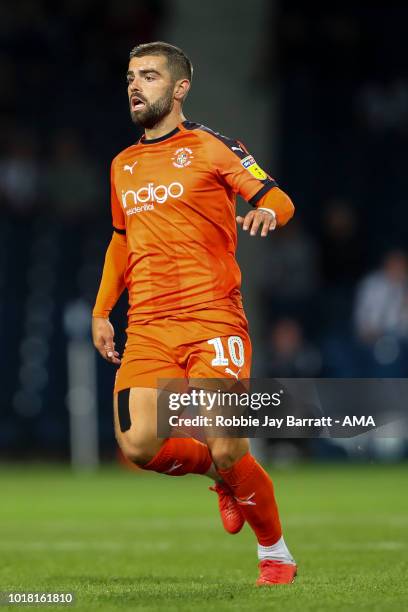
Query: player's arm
110 289
112 283
235 165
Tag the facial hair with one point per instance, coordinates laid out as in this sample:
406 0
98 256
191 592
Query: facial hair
153 112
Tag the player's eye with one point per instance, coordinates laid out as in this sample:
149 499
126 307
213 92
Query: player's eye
129 79
149 77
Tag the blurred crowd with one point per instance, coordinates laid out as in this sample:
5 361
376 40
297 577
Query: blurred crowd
62 71
337 282
334 285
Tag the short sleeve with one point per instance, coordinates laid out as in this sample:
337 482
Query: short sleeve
237 167
118 218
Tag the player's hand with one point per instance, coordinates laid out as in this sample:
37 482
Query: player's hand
258 218
103 334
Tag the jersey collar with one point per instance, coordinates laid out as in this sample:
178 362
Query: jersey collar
177 129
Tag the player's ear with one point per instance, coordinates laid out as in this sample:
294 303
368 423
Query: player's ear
181 89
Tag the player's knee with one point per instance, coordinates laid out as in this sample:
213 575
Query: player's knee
137 451
224 457
227 452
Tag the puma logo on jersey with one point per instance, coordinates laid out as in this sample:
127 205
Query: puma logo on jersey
173 467
236 149
236 374
246 501
126 167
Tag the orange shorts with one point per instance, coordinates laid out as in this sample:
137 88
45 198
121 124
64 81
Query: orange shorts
209 343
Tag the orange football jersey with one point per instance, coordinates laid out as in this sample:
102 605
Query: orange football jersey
174 197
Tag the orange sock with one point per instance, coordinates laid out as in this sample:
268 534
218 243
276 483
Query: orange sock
253 489
179 456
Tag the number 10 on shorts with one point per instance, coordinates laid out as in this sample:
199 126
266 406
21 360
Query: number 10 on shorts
235 351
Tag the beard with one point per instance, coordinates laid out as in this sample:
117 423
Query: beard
153 112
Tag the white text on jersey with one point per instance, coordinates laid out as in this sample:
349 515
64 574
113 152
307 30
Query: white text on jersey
151 193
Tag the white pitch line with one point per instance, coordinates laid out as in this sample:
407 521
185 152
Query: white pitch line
139 523
73 546
389 520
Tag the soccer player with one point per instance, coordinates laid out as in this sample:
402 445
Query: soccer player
173 247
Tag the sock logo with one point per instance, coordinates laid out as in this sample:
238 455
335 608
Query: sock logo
173 467
246 501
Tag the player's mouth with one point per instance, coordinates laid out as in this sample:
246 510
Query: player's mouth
137 103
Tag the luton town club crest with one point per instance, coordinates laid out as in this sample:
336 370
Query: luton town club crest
182 157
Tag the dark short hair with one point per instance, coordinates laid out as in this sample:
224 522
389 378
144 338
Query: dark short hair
179 64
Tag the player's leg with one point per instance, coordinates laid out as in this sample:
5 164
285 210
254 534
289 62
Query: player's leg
227 451
254 492
148 357
135 419
210 345
252 487
228 354
135 424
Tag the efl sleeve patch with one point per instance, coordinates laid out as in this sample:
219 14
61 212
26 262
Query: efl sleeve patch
250 164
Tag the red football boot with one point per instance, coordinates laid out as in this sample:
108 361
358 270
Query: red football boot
276 572
231 515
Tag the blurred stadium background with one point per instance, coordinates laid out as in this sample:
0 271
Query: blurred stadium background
317 91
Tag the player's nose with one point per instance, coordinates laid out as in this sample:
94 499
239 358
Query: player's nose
134 87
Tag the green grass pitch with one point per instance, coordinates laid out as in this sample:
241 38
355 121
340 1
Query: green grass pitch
128 541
